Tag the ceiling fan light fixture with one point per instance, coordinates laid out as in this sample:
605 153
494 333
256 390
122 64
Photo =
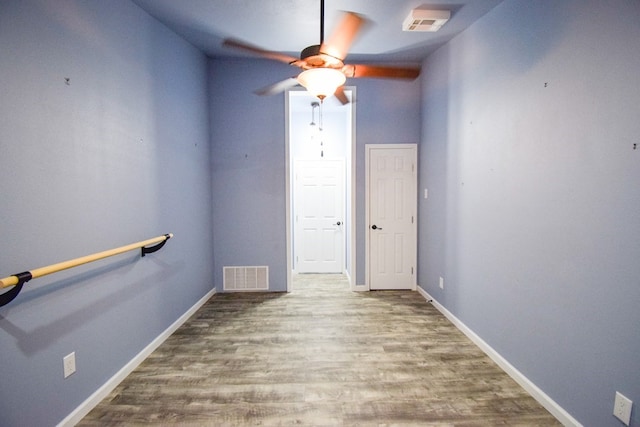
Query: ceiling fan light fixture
321 82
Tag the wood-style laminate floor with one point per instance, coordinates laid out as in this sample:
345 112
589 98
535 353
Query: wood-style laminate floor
319 356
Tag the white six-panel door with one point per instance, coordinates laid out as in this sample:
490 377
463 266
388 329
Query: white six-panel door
319 216
391 215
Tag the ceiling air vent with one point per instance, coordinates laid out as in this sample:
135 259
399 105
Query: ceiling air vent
425 20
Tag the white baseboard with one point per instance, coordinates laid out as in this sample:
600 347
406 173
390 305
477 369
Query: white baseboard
549 404
354 287
92 401
348 276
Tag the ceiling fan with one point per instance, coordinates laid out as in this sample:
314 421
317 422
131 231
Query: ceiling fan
324 71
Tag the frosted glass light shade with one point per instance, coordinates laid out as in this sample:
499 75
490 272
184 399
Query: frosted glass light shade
321 82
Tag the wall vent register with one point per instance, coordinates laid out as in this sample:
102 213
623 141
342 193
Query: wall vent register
239 279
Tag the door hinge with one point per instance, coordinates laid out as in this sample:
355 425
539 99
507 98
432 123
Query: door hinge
411 219
412 271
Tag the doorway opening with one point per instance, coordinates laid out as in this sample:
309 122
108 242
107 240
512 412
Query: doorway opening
320 160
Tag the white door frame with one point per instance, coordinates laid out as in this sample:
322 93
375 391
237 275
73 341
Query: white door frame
368 148
350 183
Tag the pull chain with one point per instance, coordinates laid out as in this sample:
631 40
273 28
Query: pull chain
321 132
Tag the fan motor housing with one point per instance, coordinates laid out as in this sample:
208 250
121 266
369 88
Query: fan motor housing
314 58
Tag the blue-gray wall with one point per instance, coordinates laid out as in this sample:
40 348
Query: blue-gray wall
120 154
248 151
387 112
529 121
248 157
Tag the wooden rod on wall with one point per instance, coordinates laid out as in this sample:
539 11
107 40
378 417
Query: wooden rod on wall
54 268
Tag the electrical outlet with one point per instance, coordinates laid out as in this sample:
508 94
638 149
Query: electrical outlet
69 364
622 408
441 283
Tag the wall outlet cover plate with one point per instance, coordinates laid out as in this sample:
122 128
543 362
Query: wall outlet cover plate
69 364
622 408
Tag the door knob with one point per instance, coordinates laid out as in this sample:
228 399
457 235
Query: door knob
338 223
375 227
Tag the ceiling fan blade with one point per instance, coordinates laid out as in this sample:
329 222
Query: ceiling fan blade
338 44
377 71
278 87
341 96
237 44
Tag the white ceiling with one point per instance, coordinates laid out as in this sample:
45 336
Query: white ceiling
290 25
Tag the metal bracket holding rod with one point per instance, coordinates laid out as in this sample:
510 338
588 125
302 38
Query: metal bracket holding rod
144 250
18 280
9 296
